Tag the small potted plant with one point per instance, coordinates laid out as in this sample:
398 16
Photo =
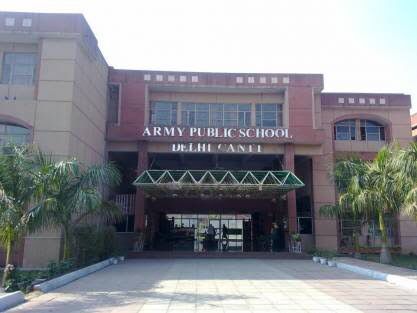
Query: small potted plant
323 258
296 243
330 259
316 256
296 237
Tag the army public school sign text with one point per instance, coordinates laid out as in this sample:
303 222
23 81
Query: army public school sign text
219 133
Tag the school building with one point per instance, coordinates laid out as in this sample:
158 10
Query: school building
238 151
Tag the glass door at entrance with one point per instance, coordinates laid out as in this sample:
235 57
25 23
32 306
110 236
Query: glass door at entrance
209 232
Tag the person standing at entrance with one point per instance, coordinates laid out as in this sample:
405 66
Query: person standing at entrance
225 232
211 235
211 231
225 238
275 237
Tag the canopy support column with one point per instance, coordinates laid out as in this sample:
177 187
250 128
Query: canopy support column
140 194
291 198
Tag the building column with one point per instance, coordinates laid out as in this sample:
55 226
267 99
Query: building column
407 234
289 165
140 195
324 193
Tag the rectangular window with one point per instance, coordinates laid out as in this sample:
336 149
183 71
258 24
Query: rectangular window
230 115
244 115
13 134
216 114
163 113
202 113
113 103
372 131
269 115
345 130
188 114
18 68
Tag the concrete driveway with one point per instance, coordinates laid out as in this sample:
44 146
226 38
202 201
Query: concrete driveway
223 285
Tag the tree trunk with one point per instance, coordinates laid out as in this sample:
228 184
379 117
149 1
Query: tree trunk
6 272
66 249
356 246
385 255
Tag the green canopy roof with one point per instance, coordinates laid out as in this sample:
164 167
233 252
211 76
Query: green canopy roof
217 183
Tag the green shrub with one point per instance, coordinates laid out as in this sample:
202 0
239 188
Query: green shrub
323 253
22 280
318 252
58 268
52 269
93 244
330 254
108 239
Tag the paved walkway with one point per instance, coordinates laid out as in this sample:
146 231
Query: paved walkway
223 285
388 269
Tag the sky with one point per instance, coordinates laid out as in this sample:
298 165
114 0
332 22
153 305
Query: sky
359 45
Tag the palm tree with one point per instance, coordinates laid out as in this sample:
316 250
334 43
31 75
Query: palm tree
346 209
18 168
379 193
406 166
375 190
73 192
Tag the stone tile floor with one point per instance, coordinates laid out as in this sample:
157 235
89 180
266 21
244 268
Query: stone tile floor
223 285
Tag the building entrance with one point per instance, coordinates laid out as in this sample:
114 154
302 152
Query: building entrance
206 232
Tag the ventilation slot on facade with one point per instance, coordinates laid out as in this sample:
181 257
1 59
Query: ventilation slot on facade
113 104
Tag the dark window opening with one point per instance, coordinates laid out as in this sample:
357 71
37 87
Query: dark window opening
113 103
194 161
126 224
304 196
124 194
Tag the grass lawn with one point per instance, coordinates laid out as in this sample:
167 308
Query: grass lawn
400 260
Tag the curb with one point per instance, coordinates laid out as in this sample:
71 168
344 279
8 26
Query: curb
67 278
10 300
391 278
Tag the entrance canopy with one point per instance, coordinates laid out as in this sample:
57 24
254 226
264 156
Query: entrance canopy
217 183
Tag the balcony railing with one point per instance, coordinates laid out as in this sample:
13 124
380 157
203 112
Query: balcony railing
126 202
369 234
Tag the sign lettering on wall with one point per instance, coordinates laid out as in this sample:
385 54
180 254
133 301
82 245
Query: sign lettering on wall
213 147
215 132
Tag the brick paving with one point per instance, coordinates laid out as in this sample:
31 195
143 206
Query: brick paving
223 285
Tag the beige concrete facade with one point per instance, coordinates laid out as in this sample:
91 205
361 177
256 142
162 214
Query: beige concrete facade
64 107
414 126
